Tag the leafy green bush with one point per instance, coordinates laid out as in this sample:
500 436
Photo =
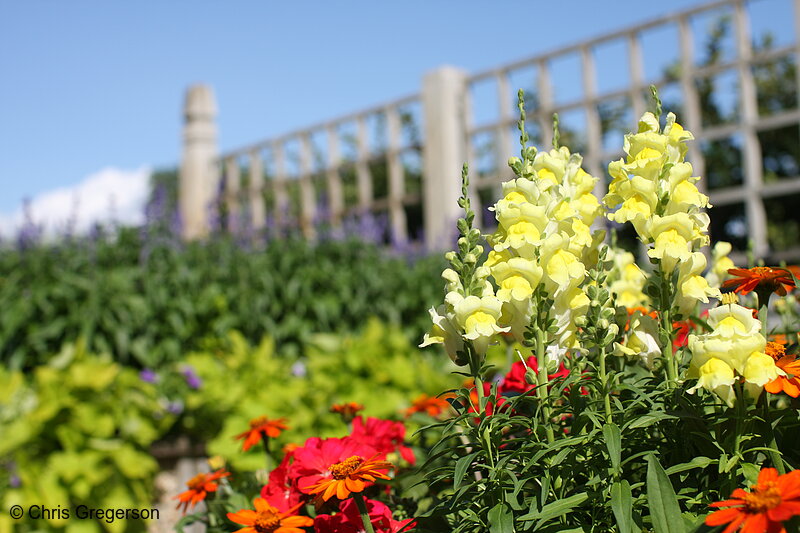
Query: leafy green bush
248 382
147 302
77 431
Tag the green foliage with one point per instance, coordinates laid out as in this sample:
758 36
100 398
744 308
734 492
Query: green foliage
246 382
147 305
78 430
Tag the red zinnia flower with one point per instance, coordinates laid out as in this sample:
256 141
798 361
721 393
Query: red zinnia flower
313 460
778 280
385 436
354 474
773 500
260 428
429 405
280 492
268 519
199 487
349 519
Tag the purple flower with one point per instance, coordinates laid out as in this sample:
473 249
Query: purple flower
192 379
299 369
175 408
148 376
14 481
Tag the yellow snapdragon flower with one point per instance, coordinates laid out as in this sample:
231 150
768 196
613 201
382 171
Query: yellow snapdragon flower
640 340
732 350
477 318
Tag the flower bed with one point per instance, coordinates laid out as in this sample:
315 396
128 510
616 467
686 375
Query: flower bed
643 398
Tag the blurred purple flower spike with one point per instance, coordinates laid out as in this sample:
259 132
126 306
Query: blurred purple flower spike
192 379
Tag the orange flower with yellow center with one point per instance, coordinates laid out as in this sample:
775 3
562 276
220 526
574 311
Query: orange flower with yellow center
199 487
353 474
261 428
268 519
790 383
766 279
347 411
429 405
772 500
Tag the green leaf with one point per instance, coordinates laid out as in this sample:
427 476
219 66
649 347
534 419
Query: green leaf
649 419
613 440
697 462
664 510
500 519
622 505
555 509
461 468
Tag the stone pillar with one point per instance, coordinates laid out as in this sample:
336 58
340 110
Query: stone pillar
444 106
198 176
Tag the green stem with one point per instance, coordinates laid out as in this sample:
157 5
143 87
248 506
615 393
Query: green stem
738 418
604 383
763 310
541 385
670 361
475 369
775 455
265 442
362 510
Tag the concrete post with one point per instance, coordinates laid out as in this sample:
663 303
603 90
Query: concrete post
444 101
198 177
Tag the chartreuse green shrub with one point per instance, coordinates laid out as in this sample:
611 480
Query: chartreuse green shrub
641 410
77 431
378 368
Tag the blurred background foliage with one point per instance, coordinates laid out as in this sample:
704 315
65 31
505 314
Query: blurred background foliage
146 305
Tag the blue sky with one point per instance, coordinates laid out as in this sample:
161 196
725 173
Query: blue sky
92 90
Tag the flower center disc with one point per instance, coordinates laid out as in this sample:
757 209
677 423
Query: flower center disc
267 522
763 498
254 423
775 350
196 482
346 467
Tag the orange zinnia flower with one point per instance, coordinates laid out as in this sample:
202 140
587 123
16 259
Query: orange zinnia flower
773 500
260 428
347 411
790 384
199 487
351 475
778 280
427 404
268 519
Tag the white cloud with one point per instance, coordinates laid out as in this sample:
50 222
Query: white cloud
108 195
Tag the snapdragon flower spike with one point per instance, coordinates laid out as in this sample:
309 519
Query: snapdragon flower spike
544 238
653 188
